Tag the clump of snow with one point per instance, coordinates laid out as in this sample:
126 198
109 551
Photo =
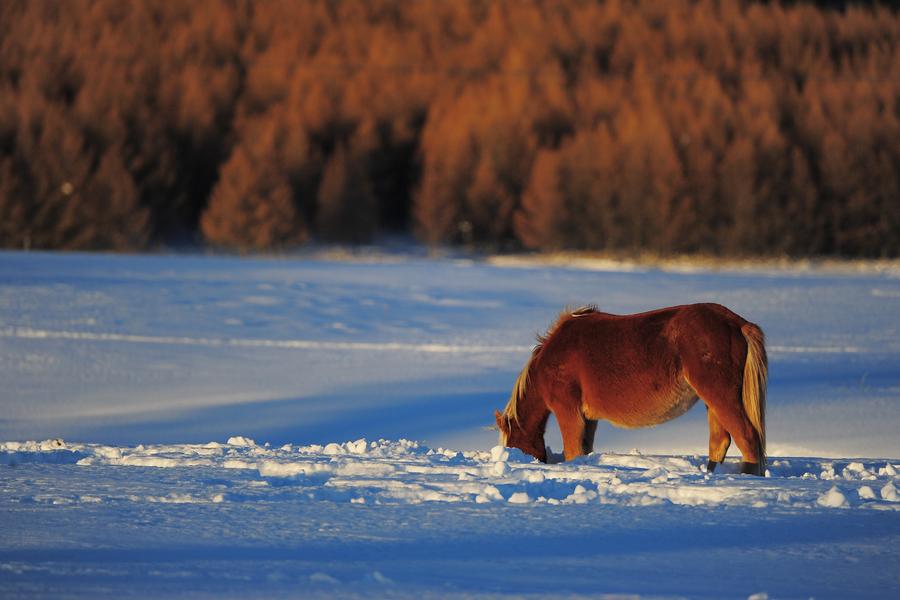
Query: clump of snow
833 498
866 493
32 446
360 446
241 441
855 471
499 454
519 498
581 495
47 451
889 492
357 447
512 455
333 449
489 493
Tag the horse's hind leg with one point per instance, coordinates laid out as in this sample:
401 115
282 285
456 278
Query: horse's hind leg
590 429
719 441
723 398
730 415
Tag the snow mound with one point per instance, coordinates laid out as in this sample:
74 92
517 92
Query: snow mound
833 498
48 451
406 472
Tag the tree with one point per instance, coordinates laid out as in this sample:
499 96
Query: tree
59 191
252 205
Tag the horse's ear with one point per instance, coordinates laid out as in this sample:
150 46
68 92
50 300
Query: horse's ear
502 423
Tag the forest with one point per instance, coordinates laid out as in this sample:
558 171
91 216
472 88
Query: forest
728 128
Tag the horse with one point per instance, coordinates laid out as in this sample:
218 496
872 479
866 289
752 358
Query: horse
642 370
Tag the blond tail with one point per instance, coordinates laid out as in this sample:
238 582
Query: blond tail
754 389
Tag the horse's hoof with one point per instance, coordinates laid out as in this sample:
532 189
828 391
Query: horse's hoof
748 468
711 466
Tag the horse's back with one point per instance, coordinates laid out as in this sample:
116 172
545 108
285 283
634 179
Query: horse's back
648 332
630 369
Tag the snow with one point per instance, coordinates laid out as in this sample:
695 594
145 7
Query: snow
222 427
889 492
833 498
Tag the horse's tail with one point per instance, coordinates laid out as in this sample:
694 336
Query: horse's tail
756 370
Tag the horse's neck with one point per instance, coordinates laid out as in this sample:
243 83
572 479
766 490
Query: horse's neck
533 411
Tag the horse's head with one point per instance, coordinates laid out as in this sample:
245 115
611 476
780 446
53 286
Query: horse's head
513 435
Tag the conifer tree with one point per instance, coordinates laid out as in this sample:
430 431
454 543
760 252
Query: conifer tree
252 206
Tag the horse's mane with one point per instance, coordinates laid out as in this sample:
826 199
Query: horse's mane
522 381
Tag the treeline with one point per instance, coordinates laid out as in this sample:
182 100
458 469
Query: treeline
720 127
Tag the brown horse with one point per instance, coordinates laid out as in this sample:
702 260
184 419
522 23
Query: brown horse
642 370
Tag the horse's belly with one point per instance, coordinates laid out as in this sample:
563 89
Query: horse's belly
646 409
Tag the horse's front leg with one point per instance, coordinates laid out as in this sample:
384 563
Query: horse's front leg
572 427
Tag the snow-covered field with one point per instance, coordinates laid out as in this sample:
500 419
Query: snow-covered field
231 427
